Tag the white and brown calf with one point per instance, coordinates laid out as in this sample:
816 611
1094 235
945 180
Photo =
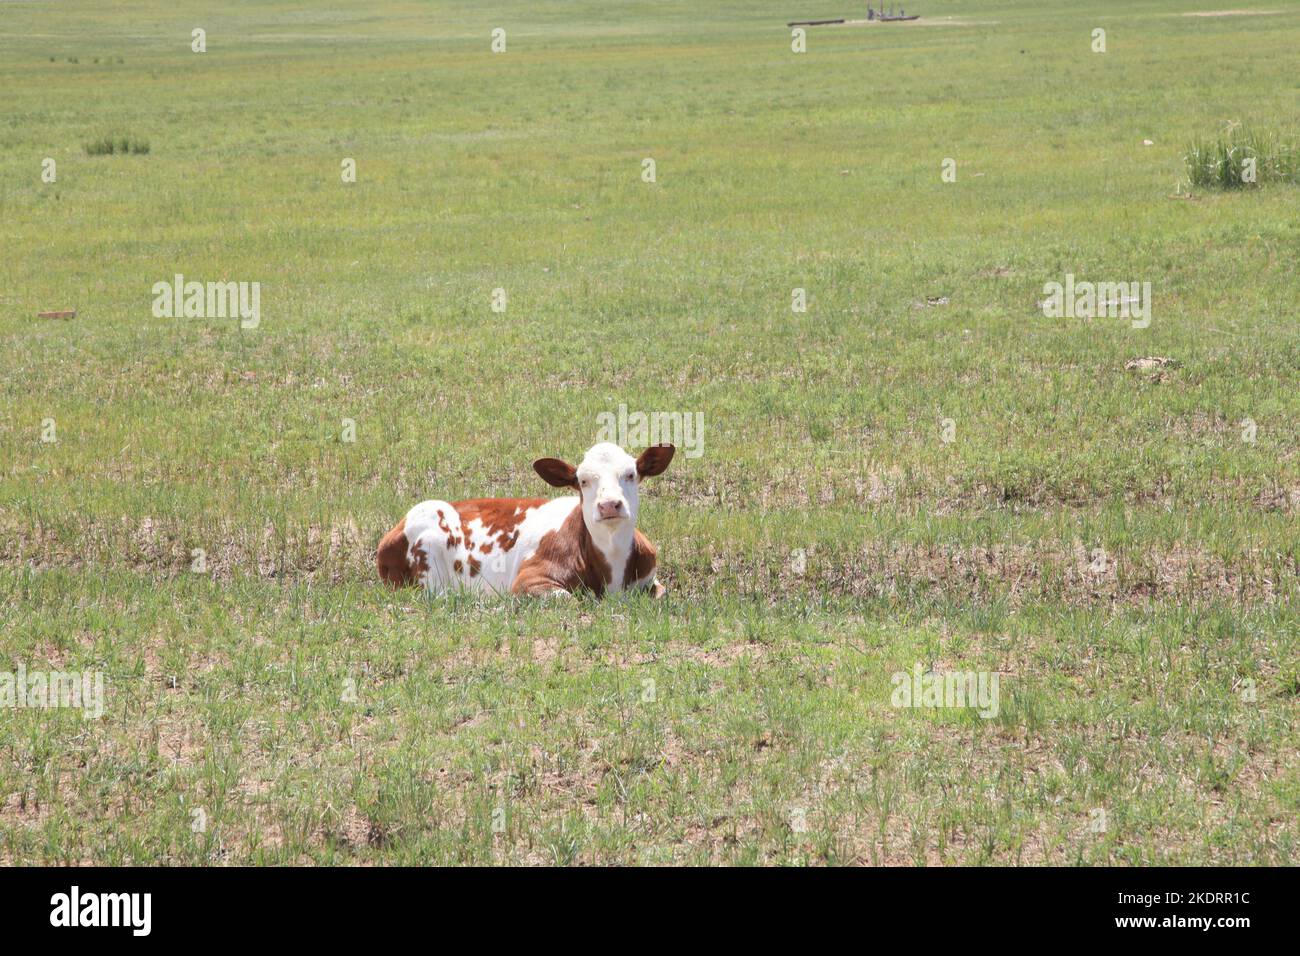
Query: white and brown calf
535 545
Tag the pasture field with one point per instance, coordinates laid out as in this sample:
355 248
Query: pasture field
921 470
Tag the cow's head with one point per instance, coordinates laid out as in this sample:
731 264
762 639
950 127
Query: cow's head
607 480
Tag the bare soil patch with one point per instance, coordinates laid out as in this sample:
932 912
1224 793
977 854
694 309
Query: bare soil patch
922 22
1231 13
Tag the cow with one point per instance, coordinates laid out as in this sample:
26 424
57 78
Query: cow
535 546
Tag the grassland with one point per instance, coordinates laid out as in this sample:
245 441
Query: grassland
1119 545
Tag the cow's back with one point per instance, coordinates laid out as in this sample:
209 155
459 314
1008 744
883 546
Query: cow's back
477 544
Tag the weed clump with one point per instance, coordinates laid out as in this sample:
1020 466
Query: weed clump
1241 158
117 145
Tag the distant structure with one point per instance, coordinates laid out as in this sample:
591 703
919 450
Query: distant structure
872 14
891 15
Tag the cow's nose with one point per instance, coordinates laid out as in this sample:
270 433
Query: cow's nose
609 509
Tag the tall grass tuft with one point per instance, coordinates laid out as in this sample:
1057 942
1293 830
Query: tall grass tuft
117 145
1225 162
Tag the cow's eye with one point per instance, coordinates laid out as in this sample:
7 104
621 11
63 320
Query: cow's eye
629 476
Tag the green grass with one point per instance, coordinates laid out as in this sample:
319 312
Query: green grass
312 715
121 145
1242 157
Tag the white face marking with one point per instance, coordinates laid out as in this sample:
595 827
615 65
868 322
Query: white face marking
609 485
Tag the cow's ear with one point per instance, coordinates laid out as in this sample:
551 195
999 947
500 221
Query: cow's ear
556 472
654 460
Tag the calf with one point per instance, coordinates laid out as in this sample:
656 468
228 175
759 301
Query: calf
535 545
